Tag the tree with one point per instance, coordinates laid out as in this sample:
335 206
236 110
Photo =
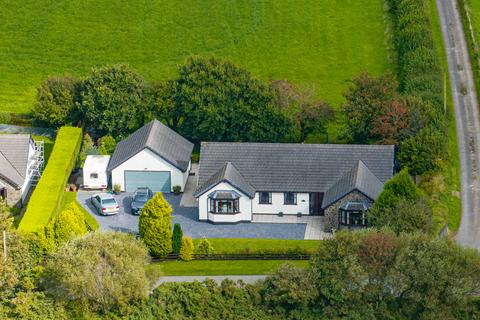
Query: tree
56 98
205 247
69 223
112 100
290 288
88 148
107 145
103 270
187 249
162 105
218 101
177 238
6 219
155 226
366 98
307 113
393 122
423 152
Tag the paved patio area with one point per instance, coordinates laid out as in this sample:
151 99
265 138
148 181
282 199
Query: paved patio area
188 200
188 219
314 224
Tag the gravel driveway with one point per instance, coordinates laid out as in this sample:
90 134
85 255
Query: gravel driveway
188 219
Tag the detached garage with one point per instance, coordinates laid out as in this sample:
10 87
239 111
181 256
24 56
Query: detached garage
154 156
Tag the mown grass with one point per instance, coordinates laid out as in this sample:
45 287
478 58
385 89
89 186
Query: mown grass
316 44
262 246
219 267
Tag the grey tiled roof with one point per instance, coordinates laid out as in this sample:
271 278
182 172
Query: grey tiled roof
14 150
230 174
281 167
360 178
158 138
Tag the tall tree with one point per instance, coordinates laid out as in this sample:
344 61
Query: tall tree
366 98
155 226
112 100
56 98
219 101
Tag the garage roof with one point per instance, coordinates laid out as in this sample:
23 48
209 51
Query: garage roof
159 139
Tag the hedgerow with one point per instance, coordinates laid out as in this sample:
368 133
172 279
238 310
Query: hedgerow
420 75
46 200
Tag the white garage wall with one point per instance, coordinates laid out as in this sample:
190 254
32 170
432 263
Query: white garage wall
245 204
303 204
146 160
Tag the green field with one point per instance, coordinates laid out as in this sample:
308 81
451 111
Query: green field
319 44
220 267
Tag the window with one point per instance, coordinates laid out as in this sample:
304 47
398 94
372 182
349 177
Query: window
224 206
93 175
3 193
290 198
265 198
353 218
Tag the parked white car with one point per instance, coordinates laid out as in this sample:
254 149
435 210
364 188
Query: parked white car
105 204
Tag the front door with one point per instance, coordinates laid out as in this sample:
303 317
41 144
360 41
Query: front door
315 200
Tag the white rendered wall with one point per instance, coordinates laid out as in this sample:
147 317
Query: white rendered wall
245 204
146 160
303 204
28 175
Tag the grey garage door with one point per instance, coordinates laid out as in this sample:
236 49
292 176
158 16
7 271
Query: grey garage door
155 180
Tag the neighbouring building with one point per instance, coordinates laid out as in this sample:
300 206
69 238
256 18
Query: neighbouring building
21 163
239 180
154 156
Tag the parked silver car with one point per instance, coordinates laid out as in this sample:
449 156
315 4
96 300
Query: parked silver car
105 204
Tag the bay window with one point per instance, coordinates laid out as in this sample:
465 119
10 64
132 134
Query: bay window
224 202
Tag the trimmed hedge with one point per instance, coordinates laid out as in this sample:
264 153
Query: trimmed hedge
224 246
47 198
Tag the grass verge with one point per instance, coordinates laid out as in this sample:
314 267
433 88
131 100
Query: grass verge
219 267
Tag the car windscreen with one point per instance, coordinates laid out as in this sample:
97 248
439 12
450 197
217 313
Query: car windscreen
141 197
109 202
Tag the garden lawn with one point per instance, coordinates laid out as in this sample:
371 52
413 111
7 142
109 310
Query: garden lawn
219 267
318 44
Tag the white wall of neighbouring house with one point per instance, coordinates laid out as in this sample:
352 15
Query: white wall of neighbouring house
245 204
278 205
28 174
147 160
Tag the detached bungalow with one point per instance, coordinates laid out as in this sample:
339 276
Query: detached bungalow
340 182
154 156
21 162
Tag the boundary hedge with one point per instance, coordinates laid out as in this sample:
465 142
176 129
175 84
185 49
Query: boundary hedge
47 198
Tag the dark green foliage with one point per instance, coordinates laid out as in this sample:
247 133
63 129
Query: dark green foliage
308 114
207 300
289 288
376 275
106 145
401 206
56 98
102 271
366 98
88 148
155 226
177 238
423 152
218 101
112 100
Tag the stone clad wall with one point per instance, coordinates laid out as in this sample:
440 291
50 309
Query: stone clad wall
331 213
14 196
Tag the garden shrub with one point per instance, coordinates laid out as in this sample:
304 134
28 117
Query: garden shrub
46 199
187 249
88 148
205 247
107 145
155 226
177 238
69 223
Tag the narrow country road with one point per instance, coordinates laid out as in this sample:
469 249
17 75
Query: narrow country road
244 278
466 118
